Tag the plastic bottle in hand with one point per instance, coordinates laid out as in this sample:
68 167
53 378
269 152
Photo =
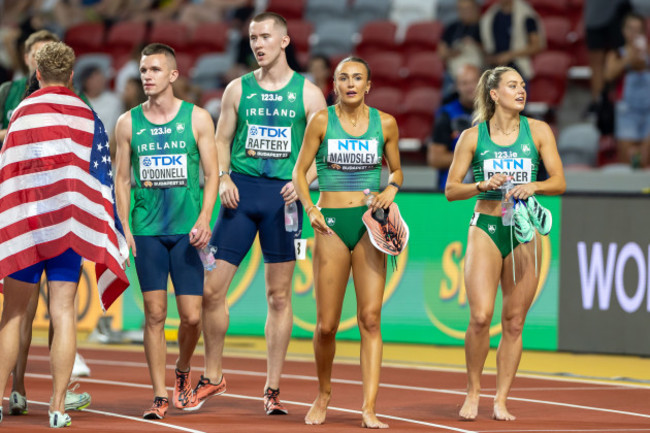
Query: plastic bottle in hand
379 213
291 217
507 204
207 258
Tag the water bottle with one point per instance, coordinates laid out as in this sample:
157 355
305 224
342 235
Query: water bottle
507 204
291 217
379 213
206 256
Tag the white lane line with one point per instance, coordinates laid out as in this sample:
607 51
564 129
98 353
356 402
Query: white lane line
238 396
116 415
595 430
391 386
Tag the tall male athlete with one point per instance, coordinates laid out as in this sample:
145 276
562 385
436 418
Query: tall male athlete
164 140
264 115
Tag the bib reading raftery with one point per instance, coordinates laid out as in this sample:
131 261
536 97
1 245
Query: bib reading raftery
163 171
268 142
352 155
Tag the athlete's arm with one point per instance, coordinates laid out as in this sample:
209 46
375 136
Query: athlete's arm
547 148
204 133
314 134
226 128
313 101
391 153
123 177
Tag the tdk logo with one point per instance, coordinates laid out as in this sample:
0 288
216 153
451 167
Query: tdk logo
161 161
270 132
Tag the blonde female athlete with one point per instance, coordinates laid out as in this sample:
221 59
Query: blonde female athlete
348 141
502 144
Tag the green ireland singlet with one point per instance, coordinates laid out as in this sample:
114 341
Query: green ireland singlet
270 129
348 163
14 91
165 160
519 160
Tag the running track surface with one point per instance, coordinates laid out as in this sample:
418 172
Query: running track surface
411 399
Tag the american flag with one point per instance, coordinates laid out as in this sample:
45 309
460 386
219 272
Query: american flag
56 190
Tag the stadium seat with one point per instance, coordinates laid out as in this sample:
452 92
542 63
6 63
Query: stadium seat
300 32
210 68
547 8
578 145
184 63
422 37
386 99
377 36
172 33
289 9
334 37
370 10
558 32
386 69
209 95
424 70
209 37
550 80
319 11
405 12
123 37
85 38
418 111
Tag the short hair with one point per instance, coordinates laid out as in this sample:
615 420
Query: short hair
355 60
158 48
635 16
276 18
55 61
40 36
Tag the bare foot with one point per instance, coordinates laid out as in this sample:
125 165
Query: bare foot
501 413
469 411
369 420
318 410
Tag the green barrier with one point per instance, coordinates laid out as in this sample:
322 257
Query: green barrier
424 300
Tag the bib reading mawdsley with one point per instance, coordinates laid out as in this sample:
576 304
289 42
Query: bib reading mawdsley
352 155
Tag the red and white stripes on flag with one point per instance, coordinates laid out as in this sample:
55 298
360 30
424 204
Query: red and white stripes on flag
56 190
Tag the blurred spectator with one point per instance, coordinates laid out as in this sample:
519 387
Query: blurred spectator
603 22
511 33
131 69
451 120
461 42
133 94
185 90
630 65
319 72
106 103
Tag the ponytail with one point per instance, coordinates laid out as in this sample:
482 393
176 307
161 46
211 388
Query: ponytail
484 105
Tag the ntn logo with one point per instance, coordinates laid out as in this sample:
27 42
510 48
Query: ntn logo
600 271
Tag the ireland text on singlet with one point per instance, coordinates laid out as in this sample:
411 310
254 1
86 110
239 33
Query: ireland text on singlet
348 163
165 160
519 160
270 128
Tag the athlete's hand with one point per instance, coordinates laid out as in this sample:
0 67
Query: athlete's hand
130 243
522 192
383 199
317 221
200 234
289 193
228 192
494 182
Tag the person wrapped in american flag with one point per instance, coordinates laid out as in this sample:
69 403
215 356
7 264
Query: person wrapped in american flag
57 206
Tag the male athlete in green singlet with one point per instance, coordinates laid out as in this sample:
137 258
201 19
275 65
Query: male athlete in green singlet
164 140
263 115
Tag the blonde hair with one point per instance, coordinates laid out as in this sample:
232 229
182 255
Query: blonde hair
40 36
54 61
484 105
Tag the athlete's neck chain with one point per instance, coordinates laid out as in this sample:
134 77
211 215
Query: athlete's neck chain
504 132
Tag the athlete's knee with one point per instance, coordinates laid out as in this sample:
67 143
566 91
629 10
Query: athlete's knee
191 319
279 300
480 320
513 325
326 330
369 321
155 316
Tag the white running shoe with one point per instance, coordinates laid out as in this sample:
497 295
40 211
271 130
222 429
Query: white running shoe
80 368
17 404
58 419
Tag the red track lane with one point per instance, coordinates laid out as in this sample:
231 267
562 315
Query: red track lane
410 400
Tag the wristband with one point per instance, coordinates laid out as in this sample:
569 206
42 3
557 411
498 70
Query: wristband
395 185
309 208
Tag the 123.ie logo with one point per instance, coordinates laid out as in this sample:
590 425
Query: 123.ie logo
446 301
304 297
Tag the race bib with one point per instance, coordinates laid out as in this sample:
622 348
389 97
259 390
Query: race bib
301 248
352 155
163 171
268 142
519 168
